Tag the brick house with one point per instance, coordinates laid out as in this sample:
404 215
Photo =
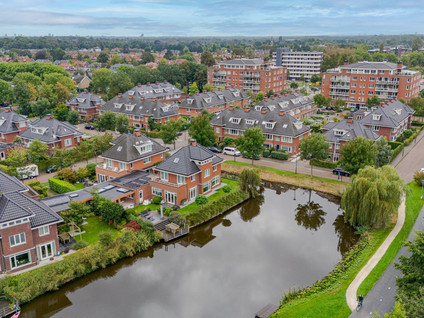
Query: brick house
357 82
342 132
165 92
282 131
56 134
86 104
4 150
139 110
11 125
81 81
294 104
390 119
190 171
214 101
28 228
129 153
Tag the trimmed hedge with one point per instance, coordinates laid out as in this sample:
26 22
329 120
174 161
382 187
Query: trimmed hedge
323 163
60 186
155 134
38 187
279 155
417 123
266 153
394 144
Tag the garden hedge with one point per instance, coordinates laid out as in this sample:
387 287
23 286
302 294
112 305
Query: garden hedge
324 164
279 155
60 186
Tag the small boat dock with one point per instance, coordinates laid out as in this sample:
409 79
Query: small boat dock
5 310
170 231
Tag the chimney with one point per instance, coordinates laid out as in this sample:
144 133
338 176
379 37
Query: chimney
247 109
212 90
148 83
346 62
285 94
263 111
142 98
137 132
157 83
130 97
49 116
349 120
205 91
399 66
282 113
139 85
219 89
85 91
192 142
265 99
154 99
231 107
165 82
119 95
197 93
7 110
272 97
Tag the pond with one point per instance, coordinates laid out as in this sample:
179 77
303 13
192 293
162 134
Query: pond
230 267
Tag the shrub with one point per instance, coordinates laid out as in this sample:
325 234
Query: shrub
63 228
61 186
155 134
394 144
105 238
280 155
68 175
407 133
91 167
266 153
79 245
38 187
323 163
418 178
177 218
157 200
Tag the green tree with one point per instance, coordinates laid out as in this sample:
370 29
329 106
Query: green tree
314 147
373 101
202 130
147 57
57 54
339 103
68 175
207 87
259 96
294 85
372 197
78 210
102 143
83 173
193 88
358 153
115 60
100 81
227 189
270 93
73 117
17 158
84 150
6 92
107 121
119 83
201 200
63 157
153 125
168 55
315 78
321 101
207 58
417 43
106 239
250 181
384 152
61 112
121 123
251 144
111 211
103 57
37 151
41 107
169 132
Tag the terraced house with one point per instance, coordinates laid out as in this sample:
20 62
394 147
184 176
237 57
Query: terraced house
56 134
282 131
139 110
129 153
86 104
214 101
165 92
11 125
294 104
28 228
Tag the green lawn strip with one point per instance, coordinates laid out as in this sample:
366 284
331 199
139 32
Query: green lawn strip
92 229
150 207
79 185
187 210
413 207
283 172
332 302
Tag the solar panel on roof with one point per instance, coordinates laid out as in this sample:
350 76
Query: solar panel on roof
109 187
123 190
73 195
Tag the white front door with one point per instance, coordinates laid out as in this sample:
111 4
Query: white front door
46 251
193 193
170 197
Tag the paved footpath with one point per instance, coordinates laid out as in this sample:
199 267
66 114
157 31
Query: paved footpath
381 297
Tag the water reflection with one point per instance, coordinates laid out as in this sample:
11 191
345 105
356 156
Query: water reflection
310 215
347 237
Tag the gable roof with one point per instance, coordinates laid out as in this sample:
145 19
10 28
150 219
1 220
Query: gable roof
182 161
154 90
85 100
10 184
214 98
391 115
124 149
55 129
286 102
350 131
8 121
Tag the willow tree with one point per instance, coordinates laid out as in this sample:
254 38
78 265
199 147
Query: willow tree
250 182
372 197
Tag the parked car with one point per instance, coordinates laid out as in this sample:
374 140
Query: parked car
52 168
89 127
231 151
101 129
180 133
254 157
215 149
341 172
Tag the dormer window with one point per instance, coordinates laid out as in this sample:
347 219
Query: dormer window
190 101
81 100
221 96
157 91
208 99
271 107
131 93
398 111
129 107
283 104
298 124
269 125
376 117
236 94
249 121
258 108
117 105
143 148
235 120
165 109
338 132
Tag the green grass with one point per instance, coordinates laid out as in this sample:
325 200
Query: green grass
151 207
187 210
92 229
413 207
283 172
79 185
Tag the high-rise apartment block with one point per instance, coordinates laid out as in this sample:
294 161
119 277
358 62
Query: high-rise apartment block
298 63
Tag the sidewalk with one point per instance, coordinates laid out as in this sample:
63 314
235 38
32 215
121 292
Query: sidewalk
407 149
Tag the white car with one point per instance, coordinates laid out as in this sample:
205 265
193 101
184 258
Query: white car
231 151
422 170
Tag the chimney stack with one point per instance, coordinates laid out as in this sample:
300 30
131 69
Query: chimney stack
231 107
346 62
139 85
247 109
154 99
192 142
282 113
148 84
142 98
7 110
49 116
263 111
137 132
205 91
165 82
119 95
197 93
130 97
157 83
85 91
349 120
399 66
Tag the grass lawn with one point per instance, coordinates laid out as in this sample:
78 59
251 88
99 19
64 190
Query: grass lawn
333 303
79 185
151 207
92 229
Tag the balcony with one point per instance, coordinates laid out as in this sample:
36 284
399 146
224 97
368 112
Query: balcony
159 180
115 169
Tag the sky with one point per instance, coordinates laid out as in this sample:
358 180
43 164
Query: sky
210 17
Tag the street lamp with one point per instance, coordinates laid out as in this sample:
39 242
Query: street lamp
422 186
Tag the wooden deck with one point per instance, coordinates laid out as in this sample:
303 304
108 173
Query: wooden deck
267 311
5 310
169 236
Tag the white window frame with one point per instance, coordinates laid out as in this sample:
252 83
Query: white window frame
21 237
67 142
44 230
147 160
164 176
207 173
19 254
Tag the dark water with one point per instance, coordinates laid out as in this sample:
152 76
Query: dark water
230 267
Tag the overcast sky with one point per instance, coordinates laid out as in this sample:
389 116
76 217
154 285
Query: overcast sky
210 18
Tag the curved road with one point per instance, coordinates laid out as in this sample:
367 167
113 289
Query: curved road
381 298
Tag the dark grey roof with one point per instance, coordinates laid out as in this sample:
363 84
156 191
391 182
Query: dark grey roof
124 148
155 90
391 115
287 103
285 125
10 210
134 180
10 184
372 65
181 162
130 105
55 129
349 131
211 99
8 121
244 62
86 100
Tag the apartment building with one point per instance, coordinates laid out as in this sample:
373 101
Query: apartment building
214 101
298 63
357 82
248 74
129 153
86 104
282 131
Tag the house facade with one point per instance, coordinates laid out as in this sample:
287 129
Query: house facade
129 153
190 171
282 131
86 104
56 134
214 101
11 125
139 110
28 228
